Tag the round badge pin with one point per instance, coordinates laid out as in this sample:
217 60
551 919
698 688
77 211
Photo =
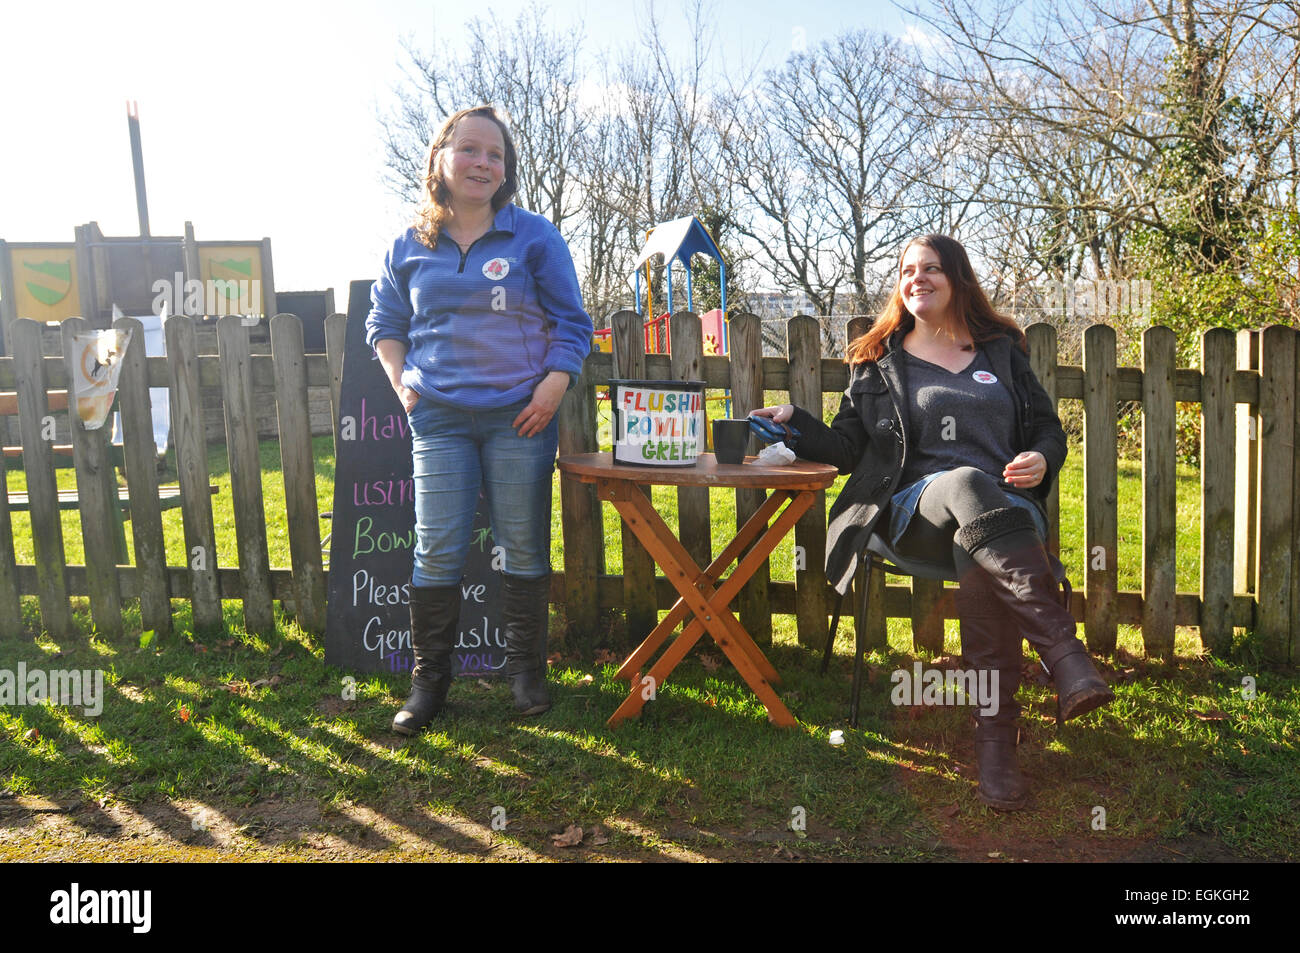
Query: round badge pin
496 269
984 377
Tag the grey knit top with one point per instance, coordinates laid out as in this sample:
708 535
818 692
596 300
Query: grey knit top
957 420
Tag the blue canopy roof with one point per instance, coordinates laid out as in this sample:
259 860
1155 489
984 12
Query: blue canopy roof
679 239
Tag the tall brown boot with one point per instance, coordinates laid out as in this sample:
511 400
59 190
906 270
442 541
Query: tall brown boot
1003 542
435 622
990 643
525 612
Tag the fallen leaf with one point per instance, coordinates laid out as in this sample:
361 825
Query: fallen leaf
711 663
203 649
606 657
951 810
598 837
261 682
33 735
184 713
1213 714
586 680
571 837
1239 790
275 680
995 854
483 684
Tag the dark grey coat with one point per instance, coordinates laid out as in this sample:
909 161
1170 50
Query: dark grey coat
869 438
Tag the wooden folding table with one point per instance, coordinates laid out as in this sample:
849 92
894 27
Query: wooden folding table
794 487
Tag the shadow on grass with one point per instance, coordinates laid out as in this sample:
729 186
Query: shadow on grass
235 743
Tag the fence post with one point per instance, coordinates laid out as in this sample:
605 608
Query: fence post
42 493
1041 338
686 362
746 369
1217 495
1275 522
1293 532
580 517
192 471
299 470
336 335
245 474
1159 488
1243 571
803 344
640 604
11 610
140 456
1100 487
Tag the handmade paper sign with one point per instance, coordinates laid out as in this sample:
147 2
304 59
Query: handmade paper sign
94 382
657 423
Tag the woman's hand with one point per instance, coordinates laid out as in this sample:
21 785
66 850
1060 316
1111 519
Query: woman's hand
408 397
780 414
546 401
1027 470
392 358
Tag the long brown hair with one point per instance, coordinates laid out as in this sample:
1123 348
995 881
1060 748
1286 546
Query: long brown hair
436 203
971 303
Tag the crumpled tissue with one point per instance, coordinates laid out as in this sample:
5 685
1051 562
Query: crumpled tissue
775 455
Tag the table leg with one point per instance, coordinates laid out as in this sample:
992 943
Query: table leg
710 605
679 567
746 535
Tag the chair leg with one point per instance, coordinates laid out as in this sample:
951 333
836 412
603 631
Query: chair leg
830 638
859 641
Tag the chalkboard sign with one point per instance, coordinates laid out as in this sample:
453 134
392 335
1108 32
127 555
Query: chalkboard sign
369 622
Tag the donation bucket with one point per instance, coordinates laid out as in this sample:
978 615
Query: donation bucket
657 423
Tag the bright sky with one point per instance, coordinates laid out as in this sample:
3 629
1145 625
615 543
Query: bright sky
259 118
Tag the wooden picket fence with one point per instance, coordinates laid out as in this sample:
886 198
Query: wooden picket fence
1250 485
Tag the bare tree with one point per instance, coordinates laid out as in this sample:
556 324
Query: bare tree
825 155
525 69
1110 120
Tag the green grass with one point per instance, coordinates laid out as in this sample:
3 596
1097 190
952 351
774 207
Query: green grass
238 727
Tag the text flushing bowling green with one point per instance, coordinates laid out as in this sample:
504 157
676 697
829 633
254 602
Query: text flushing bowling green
658 423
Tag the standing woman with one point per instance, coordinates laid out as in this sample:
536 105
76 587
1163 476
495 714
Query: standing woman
953 444
478 322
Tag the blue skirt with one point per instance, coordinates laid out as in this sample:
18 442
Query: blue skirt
902 507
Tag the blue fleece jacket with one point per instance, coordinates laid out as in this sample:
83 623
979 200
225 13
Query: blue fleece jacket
485 327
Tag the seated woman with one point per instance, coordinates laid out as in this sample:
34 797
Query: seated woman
952 445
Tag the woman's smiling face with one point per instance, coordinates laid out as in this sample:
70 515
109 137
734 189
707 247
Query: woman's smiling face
922 284
474 164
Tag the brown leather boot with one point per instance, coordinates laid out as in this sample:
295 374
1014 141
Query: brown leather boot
435 623
1004 544
990 643
525 613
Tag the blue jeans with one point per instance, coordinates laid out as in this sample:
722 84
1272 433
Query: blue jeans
459 453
